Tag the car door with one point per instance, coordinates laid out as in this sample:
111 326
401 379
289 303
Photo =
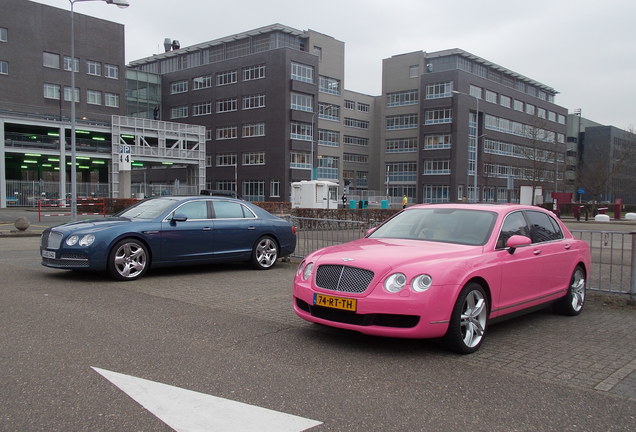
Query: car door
236 229
187 233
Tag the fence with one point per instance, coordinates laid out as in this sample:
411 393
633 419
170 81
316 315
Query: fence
62 207
613 258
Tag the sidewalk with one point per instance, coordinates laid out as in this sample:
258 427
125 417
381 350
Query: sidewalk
8 217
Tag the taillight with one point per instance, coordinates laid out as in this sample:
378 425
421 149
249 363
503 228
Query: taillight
293 230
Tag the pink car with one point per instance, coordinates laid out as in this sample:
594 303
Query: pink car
445 270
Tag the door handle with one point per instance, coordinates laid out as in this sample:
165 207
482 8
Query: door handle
567 246
537 251
207 229
251 228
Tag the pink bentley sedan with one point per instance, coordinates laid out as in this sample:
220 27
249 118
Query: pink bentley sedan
445 270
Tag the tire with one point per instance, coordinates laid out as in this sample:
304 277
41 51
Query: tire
265 253
573 302
128 260
469 319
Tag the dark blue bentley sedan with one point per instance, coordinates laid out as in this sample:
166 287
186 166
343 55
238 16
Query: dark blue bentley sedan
168 231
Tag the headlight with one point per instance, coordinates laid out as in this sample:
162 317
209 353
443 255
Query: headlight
421 283
395 282
309 268
72 240
300 268
87 240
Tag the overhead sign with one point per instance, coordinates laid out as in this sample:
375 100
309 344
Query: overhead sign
125 156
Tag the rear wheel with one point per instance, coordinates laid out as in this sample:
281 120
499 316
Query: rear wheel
468 321
128 260
573 302
265 253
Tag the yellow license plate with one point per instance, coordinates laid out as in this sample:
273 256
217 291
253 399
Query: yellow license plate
335 302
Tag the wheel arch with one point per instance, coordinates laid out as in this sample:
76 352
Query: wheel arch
135 236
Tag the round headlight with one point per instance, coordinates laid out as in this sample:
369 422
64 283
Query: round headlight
395 282
72 240
422 283
87 240
308 270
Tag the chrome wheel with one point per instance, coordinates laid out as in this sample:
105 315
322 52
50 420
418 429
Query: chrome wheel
128 260
573 302
469 320
265 253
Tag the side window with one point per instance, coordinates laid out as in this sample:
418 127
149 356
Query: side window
194 210
543 227
515 224
228 210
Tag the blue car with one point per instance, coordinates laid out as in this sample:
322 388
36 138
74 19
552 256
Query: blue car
169 231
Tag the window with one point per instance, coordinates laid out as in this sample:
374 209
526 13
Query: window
435 142
438 116
51 60
67 94
4 67
541 113
193 210
253 72
302 102
355 158
111 100
328 138
363 107
401 145
349 104
328 167
226 105
226 132
253 130
274 188
229 210
301 72
329 112
552 116
504 101
355 123
475 91
93 68
561 119
201 82
51 91
67 63
111 71
254 158
226 159
253 101
439 90
515 224
354 140
405 121
517 105
328 85
408 97
491 96
436 167
93 97
530 109
179 112
436 194
301 131
178 87
414 71
225 78
300 160
254 190
4 33
400 172
544 228
200 109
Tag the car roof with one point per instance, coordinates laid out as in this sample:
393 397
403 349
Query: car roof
497 208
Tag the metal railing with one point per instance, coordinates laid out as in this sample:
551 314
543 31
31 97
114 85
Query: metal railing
613 258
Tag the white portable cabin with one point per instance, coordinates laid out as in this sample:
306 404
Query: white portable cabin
314 194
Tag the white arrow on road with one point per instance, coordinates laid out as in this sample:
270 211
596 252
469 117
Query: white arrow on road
187 410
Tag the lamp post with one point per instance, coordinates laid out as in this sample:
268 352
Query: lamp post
121 4
477 136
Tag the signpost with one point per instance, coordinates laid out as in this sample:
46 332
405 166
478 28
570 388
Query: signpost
124 157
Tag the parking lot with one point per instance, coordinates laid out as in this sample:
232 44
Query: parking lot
230 332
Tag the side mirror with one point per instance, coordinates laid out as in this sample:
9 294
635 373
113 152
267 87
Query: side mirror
179 218
516 241
370 230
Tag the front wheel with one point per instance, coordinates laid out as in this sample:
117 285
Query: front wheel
573 302
265 253
128 260
468 321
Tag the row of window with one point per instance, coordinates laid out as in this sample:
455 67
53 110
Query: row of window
251 190
248 130
229 159
249 73
352 105
222 105
95 68
93 97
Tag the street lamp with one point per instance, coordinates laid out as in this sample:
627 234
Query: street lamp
477 136
120 4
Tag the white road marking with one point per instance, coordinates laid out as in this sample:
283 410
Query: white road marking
189 411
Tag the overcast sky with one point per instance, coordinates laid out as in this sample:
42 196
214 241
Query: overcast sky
586 49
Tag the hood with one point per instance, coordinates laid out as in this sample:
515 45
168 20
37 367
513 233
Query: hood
387 254
89 225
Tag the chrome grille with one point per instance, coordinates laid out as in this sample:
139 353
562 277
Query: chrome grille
52 240
343 278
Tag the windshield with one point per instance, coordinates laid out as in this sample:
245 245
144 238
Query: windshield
447 225
148 209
